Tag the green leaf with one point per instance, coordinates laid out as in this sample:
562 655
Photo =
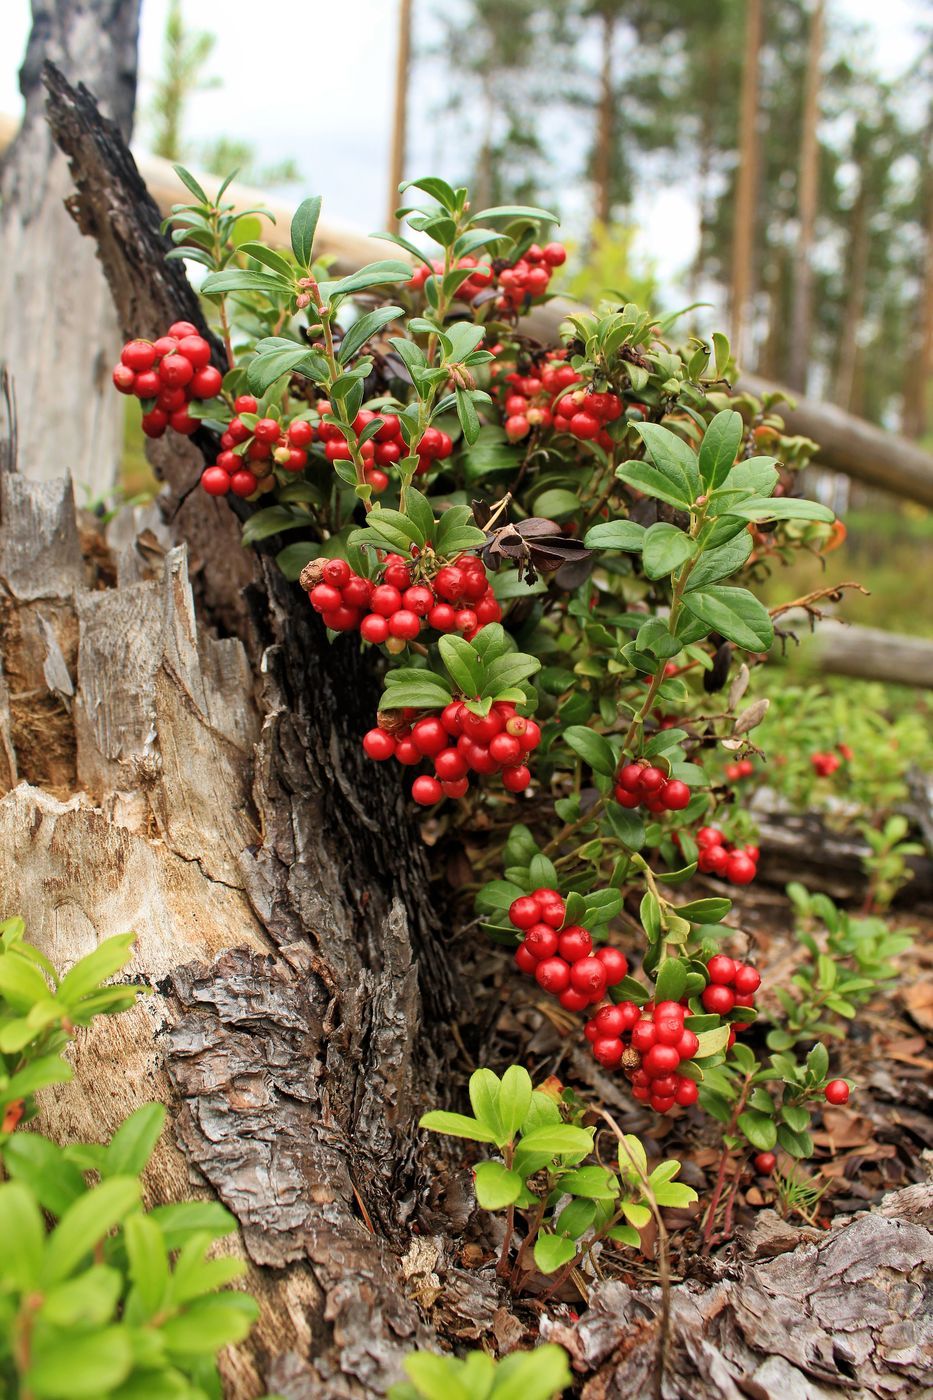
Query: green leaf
148 1261
56 1182
514 1099
616 534
86 1301
276 356
496 1186
508 671
576 1218
304 226
456 1125
466 669
87 1222
720 446
269 258
484 1097
624 1234
273 520
672 980
292 559
190 183
132 1145
799 1145
759 1128
23 1234
595 1183
528 1375
90 971
363 328
674 1195
632 1157
376 274
81 1367
209 1324
735 613
558 1139
796 1117
592 748
705 911
516 211
673 458
466 412
246 279
557 503
781 508
818 1061
644 477
22 985
665 549
636 1214
436 187
711 1042
552 1252
714 564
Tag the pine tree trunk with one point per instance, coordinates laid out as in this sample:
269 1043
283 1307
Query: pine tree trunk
54 302
856 280
400 119
602 164
916 415
807 199
746 199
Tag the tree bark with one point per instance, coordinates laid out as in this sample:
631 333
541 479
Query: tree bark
400 119
746 197
857 279
916 413
602 164
807 199
60 331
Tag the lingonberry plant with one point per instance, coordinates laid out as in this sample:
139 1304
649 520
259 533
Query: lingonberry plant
97 1297
570 1205
541 1374
568 580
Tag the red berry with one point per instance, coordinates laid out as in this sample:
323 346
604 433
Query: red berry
182 422
652 779
426 791
449 764
686 1092
713 859
644 1034
740 869
242 483
608 1051
575 943
448 583
532 735
676 796
504 749
379 745
245 403
541 941
385 600
661 1105
456 789
442 617
524 960
406 751
171 400
336 572
300 433
181 328
206 384
687 1045
837 1091
747 981
451 717
154 423
721 969
615 962
148 384
216 481
516 779
175 370
611 1021
660 1059
553 974
418 600
138 354
267 430
524 911
718 999
238 430
123 378
374 628
357 593
584 425
710 836
430 738
669 1028
555 255
404 624
553 909
630 777
165 345
325 598
765 1162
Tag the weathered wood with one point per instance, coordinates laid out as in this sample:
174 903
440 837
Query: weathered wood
840 1314
59 328
867 653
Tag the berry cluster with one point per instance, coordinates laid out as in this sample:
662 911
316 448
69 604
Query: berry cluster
641 782
167 374
547 398
718 856
457 741
529 276
731 983
479 279
825 764
385 448
650 1044
252 446
459 598
742 768
562 960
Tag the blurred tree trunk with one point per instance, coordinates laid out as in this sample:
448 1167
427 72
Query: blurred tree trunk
857 286
602 163
915 418
400 120
60 333
807 200
746 199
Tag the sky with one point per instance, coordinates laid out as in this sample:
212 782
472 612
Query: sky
333 113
